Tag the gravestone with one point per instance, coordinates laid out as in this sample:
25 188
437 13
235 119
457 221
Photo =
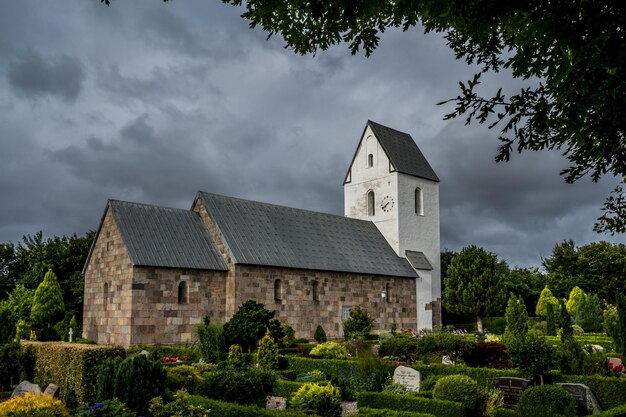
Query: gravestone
587 402
511 388
447 360
52 390
409 378
24 387
276 403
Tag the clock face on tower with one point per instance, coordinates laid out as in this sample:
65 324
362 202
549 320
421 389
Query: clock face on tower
386 204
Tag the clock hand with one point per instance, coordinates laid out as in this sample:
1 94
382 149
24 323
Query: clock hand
385 205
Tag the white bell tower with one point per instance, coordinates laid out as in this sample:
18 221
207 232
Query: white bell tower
391 183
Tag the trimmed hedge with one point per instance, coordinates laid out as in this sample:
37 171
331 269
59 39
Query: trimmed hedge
504 412
403 402
246 386
546 401
71 366
375 412
224 409
614 412
483 376
330 367
286 388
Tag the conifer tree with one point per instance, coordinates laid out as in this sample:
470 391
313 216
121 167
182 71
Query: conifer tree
516 318
544 298
576 296
48 303
267 354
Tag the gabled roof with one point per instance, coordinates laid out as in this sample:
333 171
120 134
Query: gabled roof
265 234
418 260
402 151
165 237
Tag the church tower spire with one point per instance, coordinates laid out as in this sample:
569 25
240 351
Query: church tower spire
390 183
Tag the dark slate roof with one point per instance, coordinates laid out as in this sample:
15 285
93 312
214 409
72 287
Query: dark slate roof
266 234
166 237
402 151
418 260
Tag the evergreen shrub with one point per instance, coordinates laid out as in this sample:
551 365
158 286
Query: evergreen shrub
359 323
211 342
179 407
403 402
330 350
11 366
246 387
488 355
133 381
463 389
324 400
320 334
183 377
286 388
546 401
73 367
109 408
33 405
267 353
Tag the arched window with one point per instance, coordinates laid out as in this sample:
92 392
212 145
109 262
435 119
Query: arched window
371 203
388 292
370 160
182 292
106 296
278 290
419 202
315 290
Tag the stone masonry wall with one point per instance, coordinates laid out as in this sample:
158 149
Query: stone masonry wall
108 279
158 317
336 290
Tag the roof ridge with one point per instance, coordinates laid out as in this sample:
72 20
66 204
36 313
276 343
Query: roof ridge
285 207
390 128
112 200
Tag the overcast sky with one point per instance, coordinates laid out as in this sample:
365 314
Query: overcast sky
150 102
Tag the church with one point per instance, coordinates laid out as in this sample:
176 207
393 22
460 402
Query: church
154 272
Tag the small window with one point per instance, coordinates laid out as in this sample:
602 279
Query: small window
315 290
278 290
388 292
419 202
106 296
182 292
345 313
370 160
371 203
109 245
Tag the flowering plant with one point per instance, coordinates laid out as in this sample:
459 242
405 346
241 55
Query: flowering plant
109 408
617 369
174 359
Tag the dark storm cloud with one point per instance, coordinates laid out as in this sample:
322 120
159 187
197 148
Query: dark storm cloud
33 76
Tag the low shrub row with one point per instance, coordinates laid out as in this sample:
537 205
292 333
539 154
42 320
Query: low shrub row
226 409
374 412
402 402
286 388
329 367
246 387
483 376
614 412
409 349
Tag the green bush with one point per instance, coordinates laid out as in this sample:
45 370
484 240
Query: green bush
8 321
313 376
328 367
320 334
73 367
267 353
483 376
235 357
619 411
463 389
246 387
532 355
358 324
225 409
324 400
504 412
211 342
368 374
133 381
403 402
546 401
180 406
11 366
183 377
367 412
330 350
410 349
286 388
249 324
158 352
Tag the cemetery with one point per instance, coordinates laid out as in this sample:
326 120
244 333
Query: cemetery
260 369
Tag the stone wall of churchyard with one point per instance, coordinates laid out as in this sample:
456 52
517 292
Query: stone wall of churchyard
108 281
291 293
159 316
